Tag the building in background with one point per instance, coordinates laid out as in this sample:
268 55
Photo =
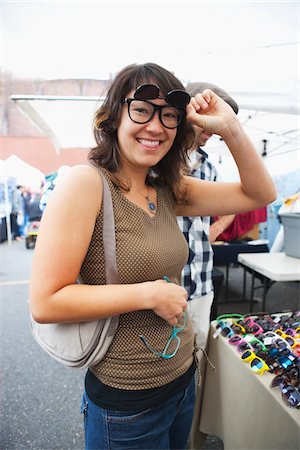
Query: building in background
21 137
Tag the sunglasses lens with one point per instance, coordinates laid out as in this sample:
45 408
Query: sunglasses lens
280 343
290 340
236 328
277 380
273 351
243 346
256 364
257 346
178 98
246 354
290 332
284 362
291 396
146 92
234 339
225 331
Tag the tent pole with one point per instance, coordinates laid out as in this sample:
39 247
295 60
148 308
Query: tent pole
7 213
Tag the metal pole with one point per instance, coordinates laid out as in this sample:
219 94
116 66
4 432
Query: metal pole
7 211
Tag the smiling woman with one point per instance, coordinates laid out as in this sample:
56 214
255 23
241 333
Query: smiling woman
142 393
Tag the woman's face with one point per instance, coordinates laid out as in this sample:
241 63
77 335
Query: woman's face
143 145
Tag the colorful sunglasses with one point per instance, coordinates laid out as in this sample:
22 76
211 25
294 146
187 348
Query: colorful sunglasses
290 339
271 337
229 316
253 327
256 363
240 343
255 342
295 333
290 394
224 329
173 343
283 356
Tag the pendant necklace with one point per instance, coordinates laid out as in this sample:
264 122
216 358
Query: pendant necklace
151 205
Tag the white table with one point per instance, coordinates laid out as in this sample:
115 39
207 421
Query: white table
271 267
241 408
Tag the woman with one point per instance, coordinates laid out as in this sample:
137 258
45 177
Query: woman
141 395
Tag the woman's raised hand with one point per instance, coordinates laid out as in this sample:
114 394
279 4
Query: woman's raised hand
210 112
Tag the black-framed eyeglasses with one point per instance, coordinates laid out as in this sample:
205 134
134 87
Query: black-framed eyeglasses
141 110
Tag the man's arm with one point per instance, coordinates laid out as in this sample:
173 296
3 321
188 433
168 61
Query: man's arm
219 226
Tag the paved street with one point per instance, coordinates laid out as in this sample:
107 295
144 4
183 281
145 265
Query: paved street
40 398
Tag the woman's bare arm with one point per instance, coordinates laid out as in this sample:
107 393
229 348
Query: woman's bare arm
255 189
64 236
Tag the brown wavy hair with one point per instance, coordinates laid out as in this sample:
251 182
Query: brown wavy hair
107 153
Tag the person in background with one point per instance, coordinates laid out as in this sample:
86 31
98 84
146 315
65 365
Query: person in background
197 275
198 231
16 215
33 209
25 196
141 394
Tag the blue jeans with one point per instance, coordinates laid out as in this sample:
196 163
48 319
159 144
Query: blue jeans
166 426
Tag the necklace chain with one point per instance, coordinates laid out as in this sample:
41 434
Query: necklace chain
151 205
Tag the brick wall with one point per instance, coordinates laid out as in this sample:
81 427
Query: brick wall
21 137
14 123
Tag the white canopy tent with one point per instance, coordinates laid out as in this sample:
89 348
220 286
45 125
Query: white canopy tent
13 172
275 136
271 120
66 120
24 174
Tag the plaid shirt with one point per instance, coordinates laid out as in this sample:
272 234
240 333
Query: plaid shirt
197 273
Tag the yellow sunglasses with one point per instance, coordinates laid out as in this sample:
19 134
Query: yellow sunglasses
289 339
257 364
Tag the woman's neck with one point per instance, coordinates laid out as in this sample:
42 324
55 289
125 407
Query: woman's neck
134 178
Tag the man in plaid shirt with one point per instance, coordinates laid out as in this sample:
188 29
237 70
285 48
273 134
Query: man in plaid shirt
199 232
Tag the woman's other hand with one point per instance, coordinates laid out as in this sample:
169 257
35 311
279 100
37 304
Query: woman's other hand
169 300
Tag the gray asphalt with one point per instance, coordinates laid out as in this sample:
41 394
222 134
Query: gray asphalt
40 398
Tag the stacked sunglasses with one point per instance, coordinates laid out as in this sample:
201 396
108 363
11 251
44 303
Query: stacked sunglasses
268 342
141 110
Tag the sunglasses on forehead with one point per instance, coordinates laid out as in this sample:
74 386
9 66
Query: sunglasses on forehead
176 97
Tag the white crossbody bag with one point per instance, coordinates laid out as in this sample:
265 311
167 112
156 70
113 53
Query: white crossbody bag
84 344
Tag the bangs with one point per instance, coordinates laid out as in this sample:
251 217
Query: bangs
152 74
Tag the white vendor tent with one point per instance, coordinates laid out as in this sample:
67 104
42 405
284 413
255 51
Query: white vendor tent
13 172
271 120
24 174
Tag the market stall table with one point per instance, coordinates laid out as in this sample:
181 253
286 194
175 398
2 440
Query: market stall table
226 253
240 407
271 267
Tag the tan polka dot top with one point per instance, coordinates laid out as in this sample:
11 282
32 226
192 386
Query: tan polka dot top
147 248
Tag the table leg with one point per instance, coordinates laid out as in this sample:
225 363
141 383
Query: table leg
244 285
265 290
227 282
252 291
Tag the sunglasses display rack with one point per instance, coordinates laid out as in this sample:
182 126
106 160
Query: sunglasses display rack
268 343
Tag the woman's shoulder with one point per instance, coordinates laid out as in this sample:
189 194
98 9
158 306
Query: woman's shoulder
84 175
80 184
